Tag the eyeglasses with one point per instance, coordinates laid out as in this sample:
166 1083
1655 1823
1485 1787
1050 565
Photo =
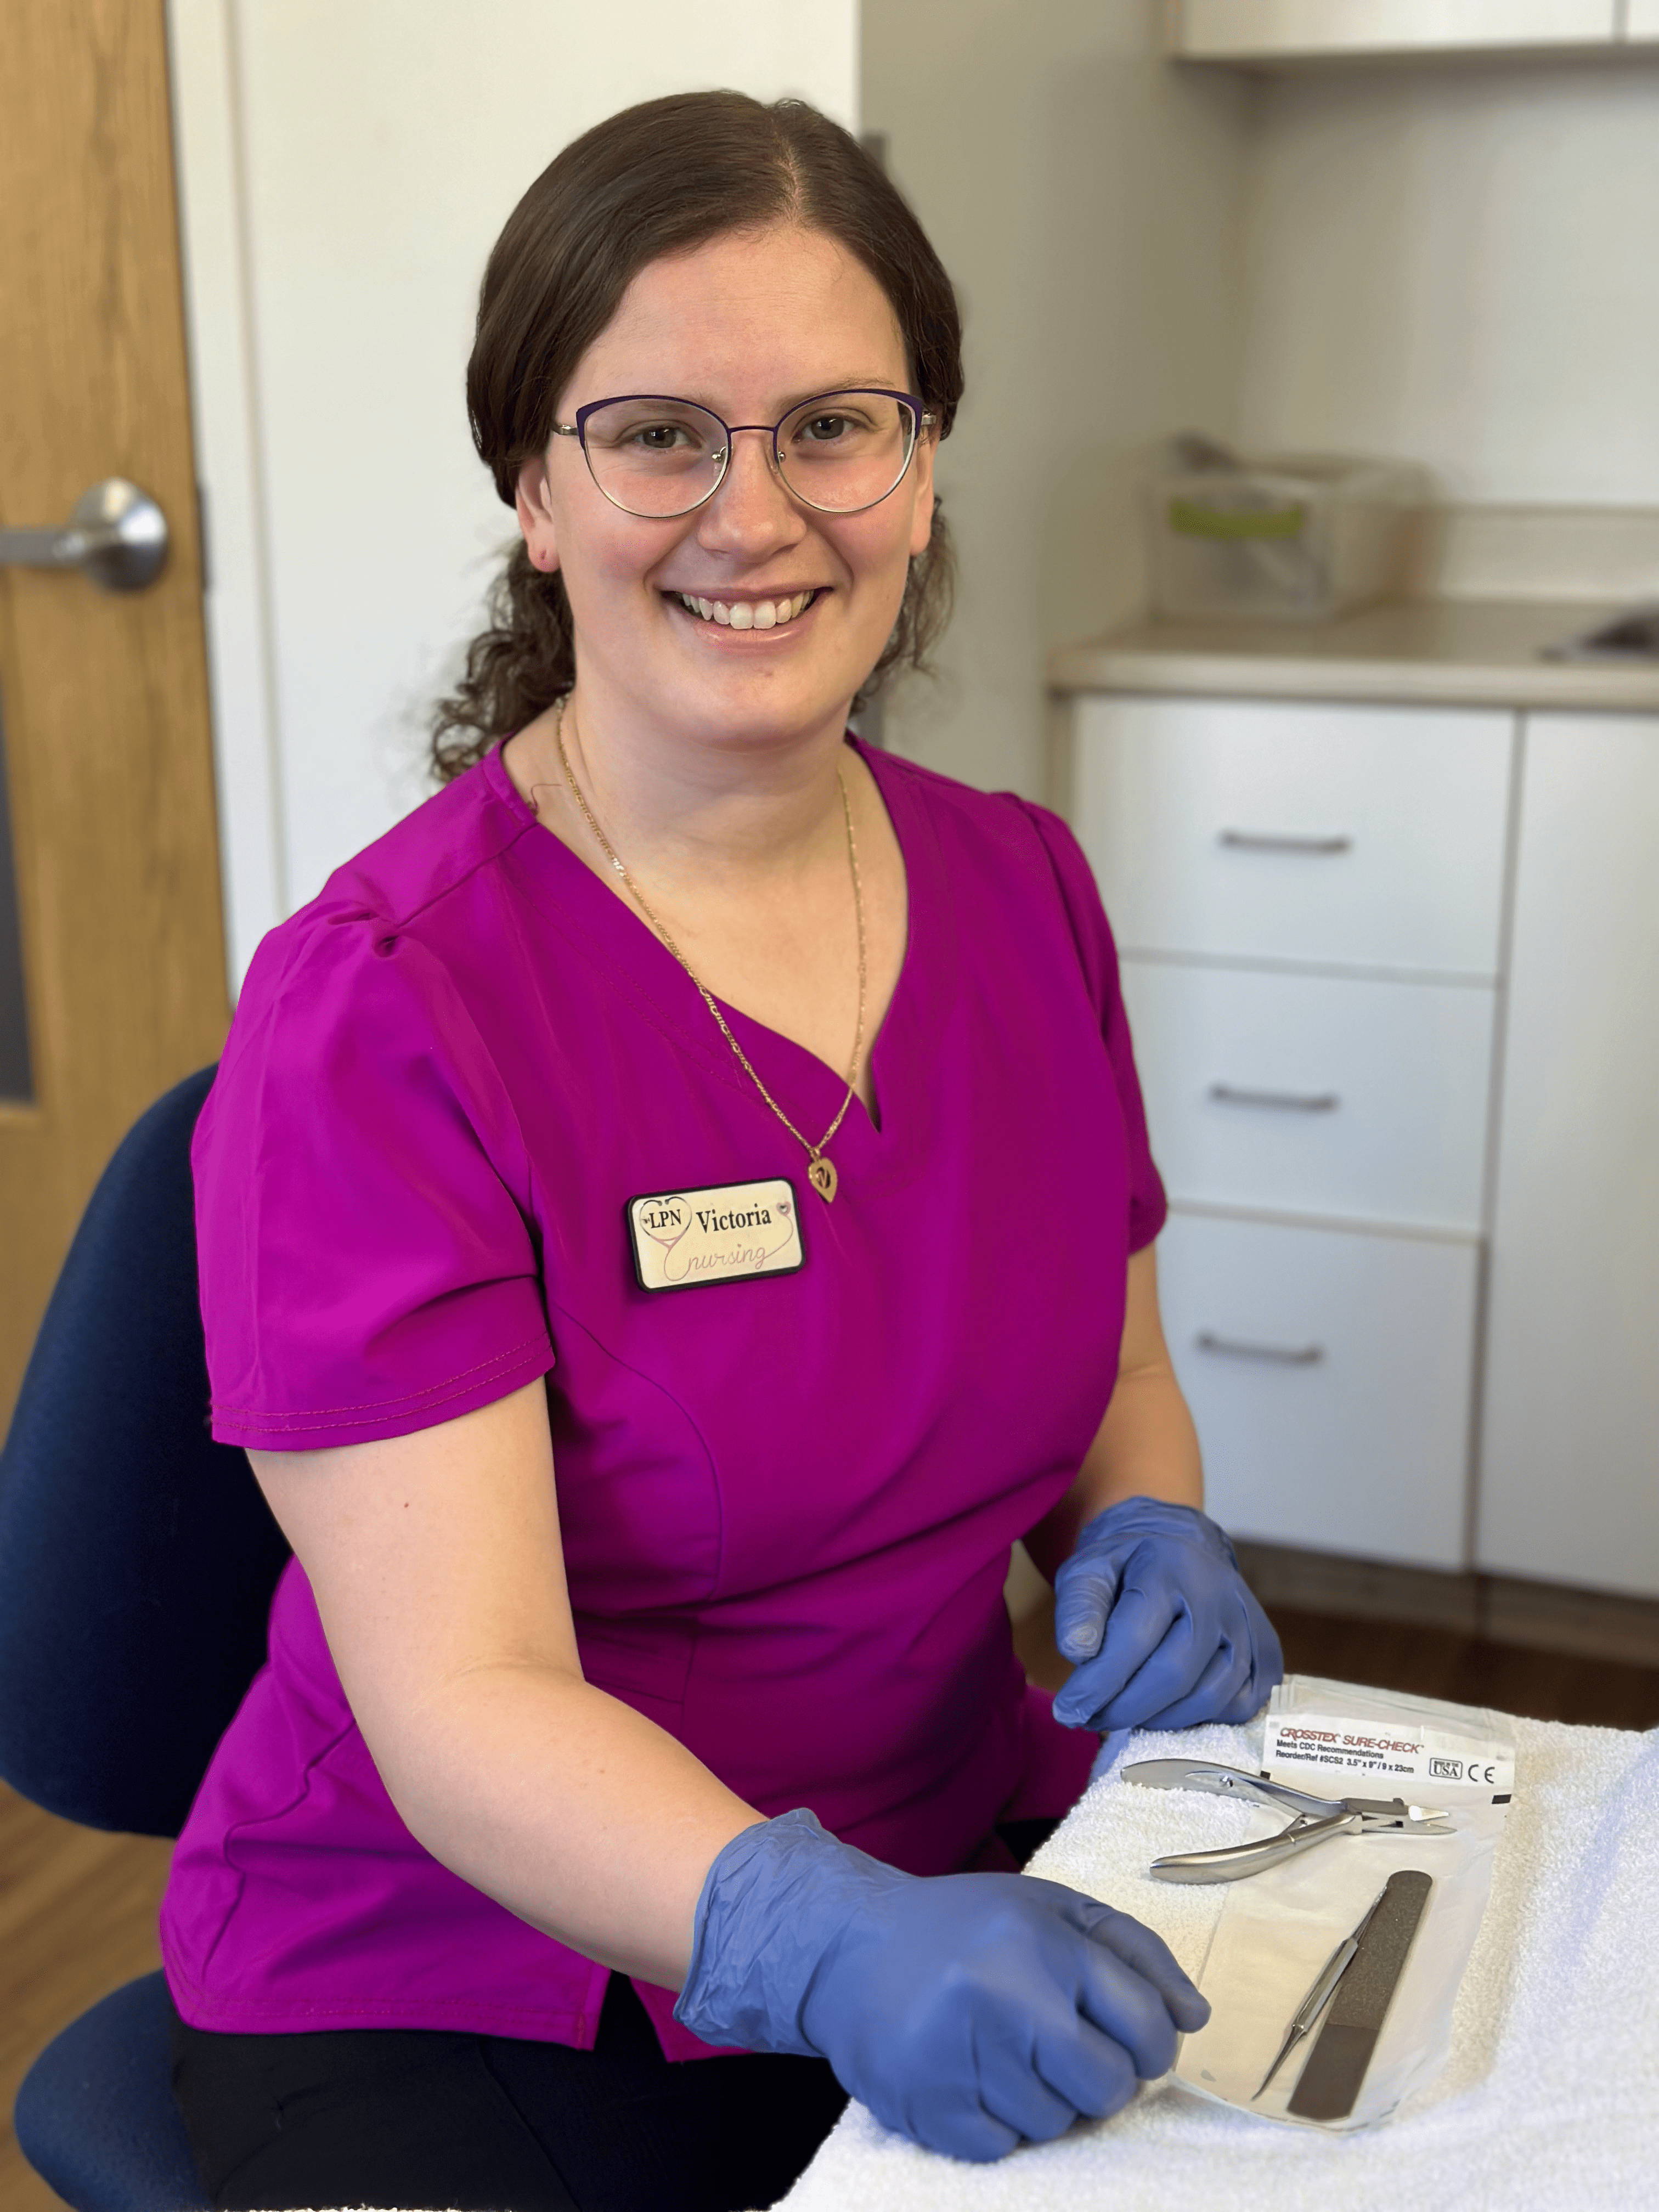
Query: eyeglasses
839 452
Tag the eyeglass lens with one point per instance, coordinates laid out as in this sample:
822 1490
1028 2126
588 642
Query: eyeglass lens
838 453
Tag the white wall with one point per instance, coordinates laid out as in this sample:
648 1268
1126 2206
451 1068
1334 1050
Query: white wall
1084 197
1462 268
1456 266
345 166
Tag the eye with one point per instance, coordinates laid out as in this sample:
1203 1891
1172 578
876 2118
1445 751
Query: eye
660 437
640 430
824 429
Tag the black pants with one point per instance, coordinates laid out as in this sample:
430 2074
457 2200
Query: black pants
420 2118
411 2119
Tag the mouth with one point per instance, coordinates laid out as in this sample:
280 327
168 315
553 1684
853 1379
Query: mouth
747 613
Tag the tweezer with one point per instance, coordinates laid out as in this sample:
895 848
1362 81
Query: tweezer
1317 1819
1334 2072
1307 2013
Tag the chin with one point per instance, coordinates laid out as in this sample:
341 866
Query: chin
764 705
750 721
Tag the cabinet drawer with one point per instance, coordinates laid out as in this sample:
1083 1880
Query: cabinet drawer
1365 836
1329 1376
1351 1096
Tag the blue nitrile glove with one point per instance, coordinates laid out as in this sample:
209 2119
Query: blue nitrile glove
1163 1627
970 2012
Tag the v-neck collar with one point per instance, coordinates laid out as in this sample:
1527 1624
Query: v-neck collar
620 941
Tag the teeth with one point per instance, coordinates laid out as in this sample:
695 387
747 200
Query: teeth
748 614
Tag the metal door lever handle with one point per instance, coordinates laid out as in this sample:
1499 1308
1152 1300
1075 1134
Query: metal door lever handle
1285 1101
1280 1355
1263 840
117 536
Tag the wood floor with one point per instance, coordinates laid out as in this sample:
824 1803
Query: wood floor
77 1909
1434 1662
77 1918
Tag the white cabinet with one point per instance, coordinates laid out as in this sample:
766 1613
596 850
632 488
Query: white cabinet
1317 1028
1366 837
1570 1478
1266 31
1364 1099
1329 1376
1308 901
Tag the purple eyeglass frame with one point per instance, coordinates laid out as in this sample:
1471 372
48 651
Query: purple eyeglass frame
578 430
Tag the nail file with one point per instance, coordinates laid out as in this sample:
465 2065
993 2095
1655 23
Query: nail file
1330 2082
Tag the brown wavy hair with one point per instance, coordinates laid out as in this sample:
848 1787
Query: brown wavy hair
658 179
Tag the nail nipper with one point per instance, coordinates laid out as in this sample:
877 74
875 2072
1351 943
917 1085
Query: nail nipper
1314 1820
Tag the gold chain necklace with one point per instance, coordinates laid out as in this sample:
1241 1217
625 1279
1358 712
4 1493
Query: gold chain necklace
821 1172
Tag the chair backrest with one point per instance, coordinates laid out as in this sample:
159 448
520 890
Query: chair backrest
137 1557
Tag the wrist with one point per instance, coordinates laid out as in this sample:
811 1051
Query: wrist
774 1907
1133 1518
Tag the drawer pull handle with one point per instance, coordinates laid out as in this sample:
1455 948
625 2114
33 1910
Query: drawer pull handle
1264 841
1277 1355
1279 1102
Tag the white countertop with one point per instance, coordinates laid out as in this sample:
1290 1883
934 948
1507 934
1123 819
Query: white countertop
1445 652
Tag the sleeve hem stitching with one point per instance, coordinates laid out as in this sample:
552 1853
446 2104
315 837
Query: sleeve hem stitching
379 1408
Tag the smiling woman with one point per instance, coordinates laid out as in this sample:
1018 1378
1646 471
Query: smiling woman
796 311
677 175
642 1754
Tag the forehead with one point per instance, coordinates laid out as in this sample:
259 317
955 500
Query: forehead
779 313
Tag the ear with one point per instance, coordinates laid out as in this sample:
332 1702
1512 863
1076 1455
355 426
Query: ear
921 518
533 504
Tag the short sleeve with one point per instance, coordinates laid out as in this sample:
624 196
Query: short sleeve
369 1261
1148 1208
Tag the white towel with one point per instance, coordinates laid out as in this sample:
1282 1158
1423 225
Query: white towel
1550 2097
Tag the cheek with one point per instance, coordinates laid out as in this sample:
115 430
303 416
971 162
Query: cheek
609 567
877 549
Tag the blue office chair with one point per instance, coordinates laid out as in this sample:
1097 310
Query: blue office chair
137 1560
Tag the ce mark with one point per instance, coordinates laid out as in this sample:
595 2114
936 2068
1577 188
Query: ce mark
1486 1774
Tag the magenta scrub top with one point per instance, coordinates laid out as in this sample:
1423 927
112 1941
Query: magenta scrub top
786 1500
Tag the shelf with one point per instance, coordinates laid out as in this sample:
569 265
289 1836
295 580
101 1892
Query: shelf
1283 33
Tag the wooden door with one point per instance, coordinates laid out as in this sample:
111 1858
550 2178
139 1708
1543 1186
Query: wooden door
104 697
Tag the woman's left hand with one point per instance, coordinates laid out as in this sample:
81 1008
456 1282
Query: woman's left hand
1165 1630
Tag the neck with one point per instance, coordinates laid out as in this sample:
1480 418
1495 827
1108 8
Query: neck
672 804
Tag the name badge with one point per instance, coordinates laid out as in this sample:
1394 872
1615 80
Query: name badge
717 1235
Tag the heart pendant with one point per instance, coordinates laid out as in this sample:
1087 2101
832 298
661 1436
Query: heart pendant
821 1173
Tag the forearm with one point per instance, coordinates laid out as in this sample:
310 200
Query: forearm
1146 1447
438 1569
568 1808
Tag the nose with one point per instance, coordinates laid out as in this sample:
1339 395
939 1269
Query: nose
752 515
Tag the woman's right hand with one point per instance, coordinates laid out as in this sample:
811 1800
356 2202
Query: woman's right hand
970 2012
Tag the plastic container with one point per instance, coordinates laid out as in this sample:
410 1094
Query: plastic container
1295 538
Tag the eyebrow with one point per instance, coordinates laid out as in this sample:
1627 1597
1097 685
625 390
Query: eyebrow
811 392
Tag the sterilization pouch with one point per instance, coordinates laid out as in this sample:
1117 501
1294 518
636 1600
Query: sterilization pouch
1279 1928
